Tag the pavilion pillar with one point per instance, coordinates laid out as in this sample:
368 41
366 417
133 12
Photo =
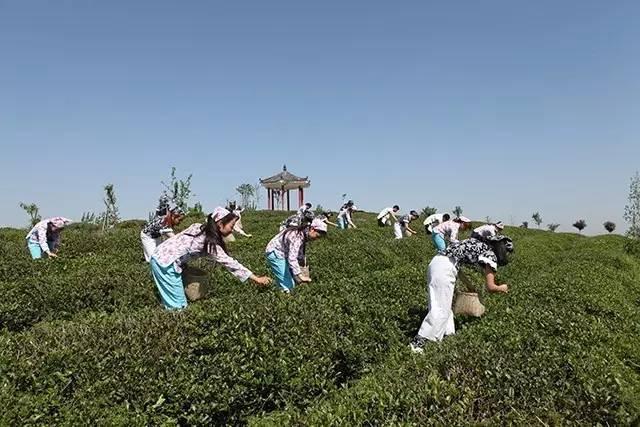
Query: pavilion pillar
300 196
282 199
268 199
288 200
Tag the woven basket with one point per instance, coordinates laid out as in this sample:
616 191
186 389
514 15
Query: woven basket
196 283
468 304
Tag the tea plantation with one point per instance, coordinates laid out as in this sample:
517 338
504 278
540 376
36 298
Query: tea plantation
83 339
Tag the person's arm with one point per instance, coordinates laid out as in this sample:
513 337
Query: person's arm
237 269
350 221
42 239
331 223
491 281
410 230
453 237
240 231
296 242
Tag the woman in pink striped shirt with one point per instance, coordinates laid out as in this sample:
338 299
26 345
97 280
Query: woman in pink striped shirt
44 237
198 240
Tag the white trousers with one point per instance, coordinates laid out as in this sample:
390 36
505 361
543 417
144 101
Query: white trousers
149 245
441 277
398 230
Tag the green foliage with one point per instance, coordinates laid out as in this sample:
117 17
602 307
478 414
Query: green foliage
537 218
178 190
33 211
247 194
110 216
84 341
632 210
525 224
580 224
609 226
553 227
457 211
428 210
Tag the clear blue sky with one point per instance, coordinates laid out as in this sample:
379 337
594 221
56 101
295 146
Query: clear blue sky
503 107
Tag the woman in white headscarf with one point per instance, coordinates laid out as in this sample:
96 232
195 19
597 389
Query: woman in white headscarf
44 237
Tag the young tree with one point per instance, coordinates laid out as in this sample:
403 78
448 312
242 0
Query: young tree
632 210
319 209
487 219
33 211
457 211
427 211
196 209
580 224
246 192
537 218
90 218
553 227
110 216
257 196
178 190
609 226
525 224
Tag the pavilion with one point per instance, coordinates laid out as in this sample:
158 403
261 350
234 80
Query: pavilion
281 183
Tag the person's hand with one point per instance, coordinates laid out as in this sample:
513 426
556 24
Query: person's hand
262 280
303 279
52 255
504 288
249 235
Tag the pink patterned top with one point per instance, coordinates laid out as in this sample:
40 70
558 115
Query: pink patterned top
38 234
183 247
288 246
448 229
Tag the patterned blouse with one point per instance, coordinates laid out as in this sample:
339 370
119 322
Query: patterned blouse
38 234
289 245
448 229
156 227
404 220
187 245
472 252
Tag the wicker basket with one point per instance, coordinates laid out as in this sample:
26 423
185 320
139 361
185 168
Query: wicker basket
468 304
196 283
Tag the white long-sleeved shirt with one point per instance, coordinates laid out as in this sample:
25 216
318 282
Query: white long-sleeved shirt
187 245
346 215
487 230
38 234
386 214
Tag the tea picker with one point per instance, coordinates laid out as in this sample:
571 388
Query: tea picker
434 220
287 249
487 230
385 215
198 240
442 273
44 237
344 216
160 226
401 227
449 230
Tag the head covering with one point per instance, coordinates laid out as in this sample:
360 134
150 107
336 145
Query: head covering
414 213
318 224
59 221
464 219
219 213
175 209
499 238
499 225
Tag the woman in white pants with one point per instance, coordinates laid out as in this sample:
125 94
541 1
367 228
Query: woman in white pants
441 277
402 224
157 228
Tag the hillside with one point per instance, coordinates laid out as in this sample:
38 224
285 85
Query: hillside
83 338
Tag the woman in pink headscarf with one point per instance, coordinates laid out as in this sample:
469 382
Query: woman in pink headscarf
44 237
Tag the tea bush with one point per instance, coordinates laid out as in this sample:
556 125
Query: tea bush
84 340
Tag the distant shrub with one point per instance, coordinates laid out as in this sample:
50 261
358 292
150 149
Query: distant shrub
553 227
580 224
609 226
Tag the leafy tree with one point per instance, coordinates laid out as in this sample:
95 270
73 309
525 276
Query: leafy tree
487 219
537 218
246 191
457 211
178 190
319 209
580 224
632 210
257 196
427 211
90 218
609 226
33 211
525 224
552 227
110 217
196 209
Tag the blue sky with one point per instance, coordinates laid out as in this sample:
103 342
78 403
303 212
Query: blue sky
503 107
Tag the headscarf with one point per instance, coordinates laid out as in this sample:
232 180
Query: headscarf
219 213
59 221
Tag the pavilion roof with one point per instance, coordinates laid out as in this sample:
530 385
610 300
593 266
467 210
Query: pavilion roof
286 179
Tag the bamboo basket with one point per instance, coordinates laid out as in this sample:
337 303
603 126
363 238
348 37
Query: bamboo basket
196 283
468 304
